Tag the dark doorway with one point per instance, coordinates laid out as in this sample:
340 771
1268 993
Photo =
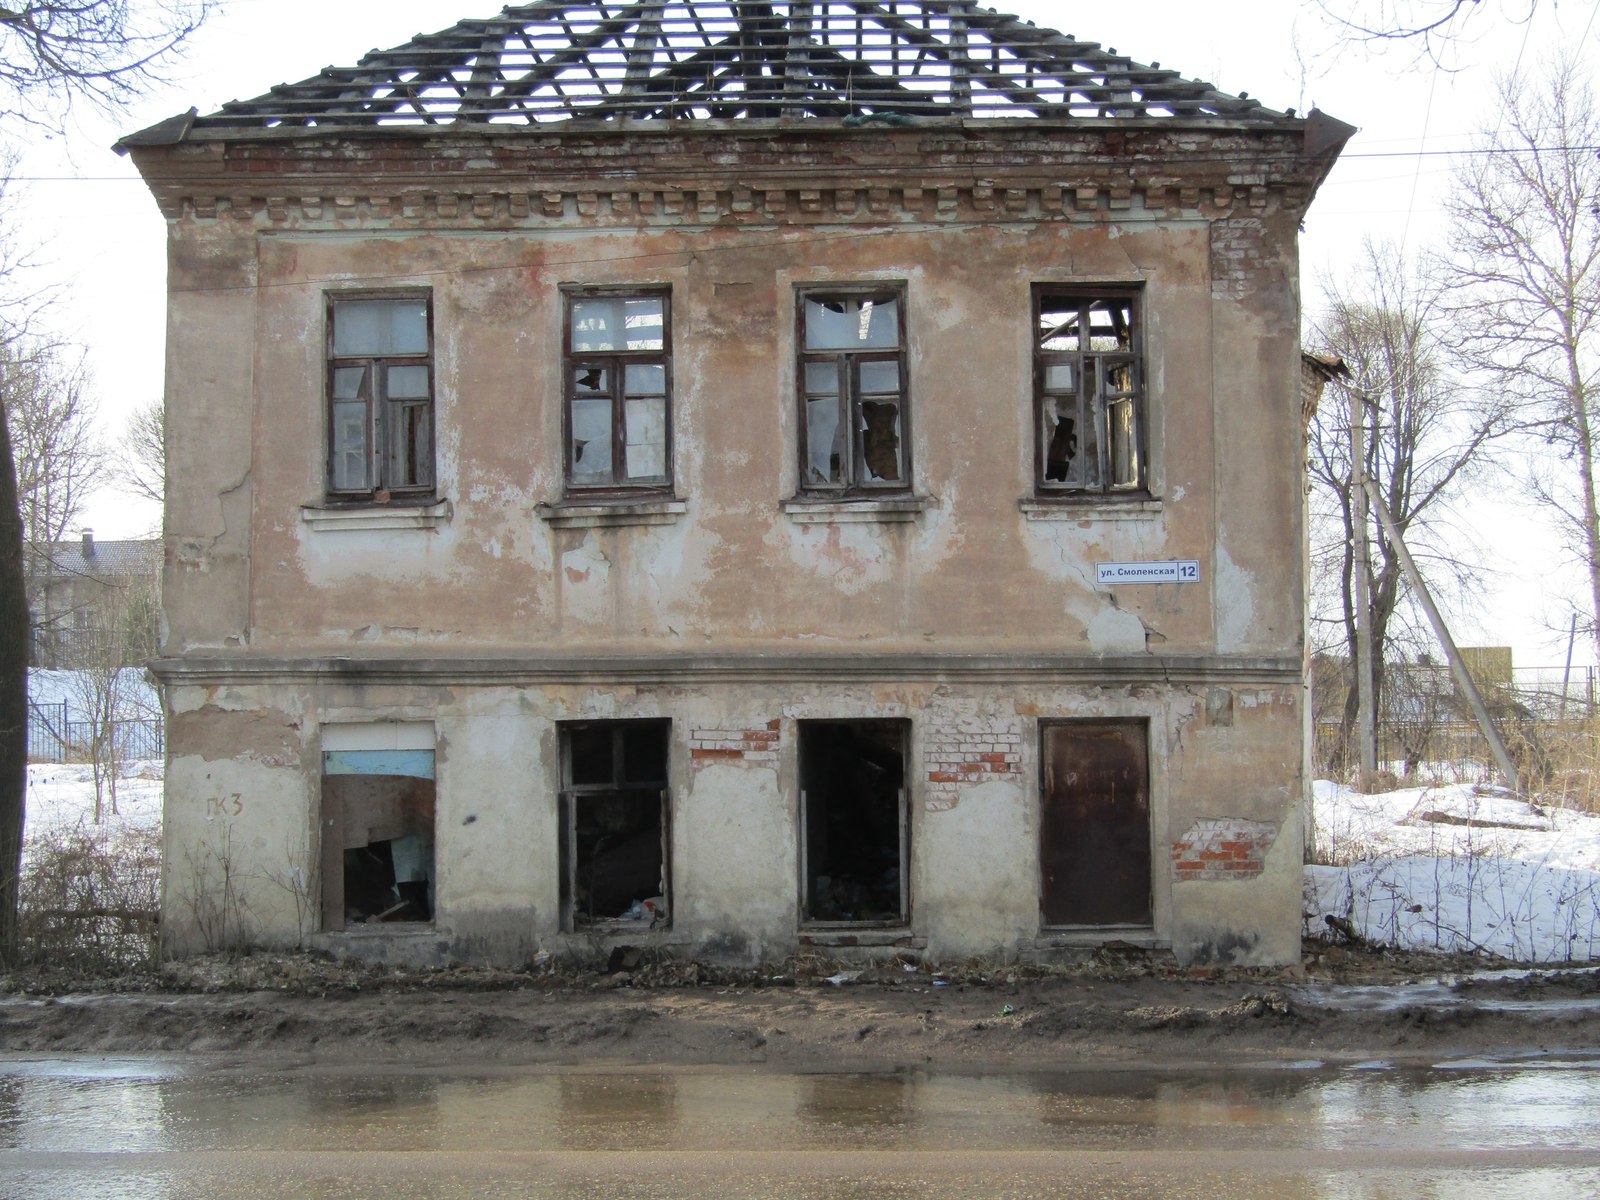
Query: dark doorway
1094 835
377 837
615 821
854 823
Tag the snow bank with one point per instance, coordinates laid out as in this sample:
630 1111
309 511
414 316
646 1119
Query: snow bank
1458 868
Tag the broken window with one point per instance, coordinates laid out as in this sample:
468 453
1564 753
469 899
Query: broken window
618 390
380 397
1094 828
377 836
616 824
1089 402
852 374
854 824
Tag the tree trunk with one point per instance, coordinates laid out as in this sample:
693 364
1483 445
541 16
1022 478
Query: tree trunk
13 697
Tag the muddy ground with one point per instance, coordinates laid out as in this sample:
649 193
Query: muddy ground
809 1013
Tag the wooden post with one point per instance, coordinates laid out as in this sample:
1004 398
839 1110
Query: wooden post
1458 668
1366 720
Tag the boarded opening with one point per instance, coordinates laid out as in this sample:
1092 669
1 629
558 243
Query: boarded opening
377 836
1094 836
616 822
854 828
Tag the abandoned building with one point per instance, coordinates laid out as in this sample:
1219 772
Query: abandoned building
735 477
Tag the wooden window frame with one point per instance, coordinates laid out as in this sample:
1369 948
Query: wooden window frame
572 795
855 484
616 362
381 411
903 802
1091 396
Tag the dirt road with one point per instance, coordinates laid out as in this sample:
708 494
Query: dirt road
1341 1006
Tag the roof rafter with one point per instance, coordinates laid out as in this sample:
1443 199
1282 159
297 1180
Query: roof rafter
598 60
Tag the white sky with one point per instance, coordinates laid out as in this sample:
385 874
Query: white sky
100 234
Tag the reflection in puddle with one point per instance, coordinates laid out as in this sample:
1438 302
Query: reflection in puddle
271 1128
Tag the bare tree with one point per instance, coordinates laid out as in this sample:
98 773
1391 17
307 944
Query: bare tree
108 655
1523 289
1427 24
53 52
142 466
1425 436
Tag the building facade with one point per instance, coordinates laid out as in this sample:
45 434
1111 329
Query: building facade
736 477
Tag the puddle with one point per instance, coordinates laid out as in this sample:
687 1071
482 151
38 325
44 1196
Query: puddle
131 1129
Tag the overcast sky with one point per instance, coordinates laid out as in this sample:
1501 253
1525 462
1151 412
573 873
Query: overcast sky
100 233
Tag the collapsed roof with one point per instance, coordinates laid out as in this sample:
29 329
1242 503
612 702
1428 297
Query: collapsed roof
626 60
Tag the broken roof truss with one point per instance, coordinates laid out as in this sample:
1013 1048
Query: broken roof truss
697 59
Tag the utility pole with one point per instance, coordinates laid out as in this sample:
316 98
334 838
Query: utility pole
1366 724
1458 667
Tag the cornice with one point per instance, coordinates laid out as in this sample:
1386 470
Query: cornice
627 178
513 671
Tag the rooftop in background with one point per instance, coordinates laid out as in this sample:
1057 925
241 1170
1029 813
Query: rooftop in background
101 560
562 60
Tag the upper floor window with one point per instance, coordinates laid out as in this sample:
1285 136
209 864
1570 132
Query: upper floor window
380 397
618 366
852 372
1089 402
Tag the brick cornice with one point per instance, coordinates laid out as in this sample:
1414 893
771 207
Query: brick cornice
627 179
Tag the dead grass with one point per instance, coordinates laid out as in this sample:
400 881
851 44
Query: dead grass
88 900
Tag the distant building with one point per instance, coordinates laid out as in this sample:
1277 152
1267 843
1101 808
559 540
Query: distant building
78 590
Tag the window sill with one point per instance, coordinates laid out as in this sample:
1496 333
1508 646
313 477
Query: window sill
364 517
867 934
898 510
612 514
1064 937
1100 509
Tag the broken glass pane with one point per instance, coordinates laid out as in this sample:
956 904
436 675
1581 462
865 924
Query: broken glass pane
1110 325
589 758
591 381
1090 449
880 377
852 323
824 442
644 753
647 438
1058 326
380 327
349 445
349 383
1060 440
880 440
591 441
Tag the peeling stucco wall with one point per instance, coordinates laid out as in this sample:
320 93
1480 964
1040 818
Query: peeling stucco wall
974 616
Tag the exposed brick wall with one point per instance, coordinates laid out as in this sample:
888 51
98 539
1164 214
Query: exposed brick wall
969 756
760 746
1222 848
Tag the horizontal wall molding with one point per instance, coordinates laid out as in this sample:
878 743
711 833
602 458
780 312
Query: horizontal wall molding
512 671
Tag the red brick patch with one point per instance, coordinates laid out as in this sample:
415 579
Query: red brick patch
1221 849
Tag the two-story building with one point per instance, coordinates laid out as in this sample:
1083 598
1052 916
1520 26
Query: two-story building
733 477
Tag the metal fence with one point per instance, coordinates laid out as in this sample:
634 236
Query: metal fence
1546 716
54 735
